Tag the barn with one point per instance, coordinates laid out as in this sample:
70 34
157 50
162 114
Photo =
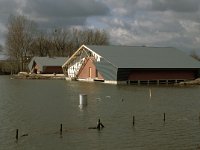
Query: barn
131 64
47 65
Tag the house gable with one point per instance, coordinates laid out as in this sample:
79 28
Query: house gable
89 71
80 59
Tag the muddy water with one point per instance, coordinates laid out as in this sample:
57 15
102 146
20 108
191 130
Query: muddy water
38 107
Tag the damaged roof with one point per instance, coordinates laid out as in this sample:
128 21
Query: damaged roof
145 57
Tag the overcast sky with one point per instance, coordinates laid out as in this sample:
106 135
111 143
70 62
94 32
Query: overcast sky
173 23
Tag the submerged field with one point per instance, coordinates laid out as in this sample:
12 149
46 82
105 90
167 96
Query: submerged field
38 107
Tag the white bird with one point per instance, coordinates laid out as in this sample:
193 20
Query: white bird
98 99
108 96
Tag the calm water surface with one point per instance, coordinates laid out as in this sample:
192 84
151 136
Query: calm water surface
38 107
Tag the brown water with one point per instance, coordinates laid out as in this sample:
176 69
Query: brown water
38 107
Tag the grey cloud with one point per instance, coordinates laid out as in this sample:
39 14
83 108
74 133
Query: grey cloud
195 16
176 5
63 13
52 9
7 7
61 23
155 23
121 7
152 31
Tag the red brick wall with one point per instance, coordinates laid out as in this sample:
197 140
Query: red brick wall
161 74
85 73
52 69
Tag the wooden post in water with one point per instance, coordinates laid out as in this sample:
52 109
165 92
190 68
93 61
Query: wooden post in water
199 116
164 117
133 120
99 125
61 129
17 134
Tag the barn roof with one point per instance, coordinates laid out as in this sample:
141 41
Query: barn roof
48 61
145 57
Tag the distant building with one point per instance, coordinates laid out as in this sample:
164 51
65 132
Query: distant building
128 64
47 65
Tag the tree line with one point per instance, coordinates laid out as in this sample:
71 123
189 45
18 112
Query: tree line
25 40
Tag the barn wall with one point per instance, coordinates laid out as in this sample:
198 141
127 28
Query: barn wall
162 74
123 74
52 69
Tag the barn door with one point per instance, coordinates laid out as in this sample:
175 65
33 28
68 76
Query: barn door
90 72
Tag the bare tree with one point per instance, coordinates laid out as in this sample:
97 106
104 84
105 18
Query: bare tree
88 37
19 38
95 37
60 41
41 45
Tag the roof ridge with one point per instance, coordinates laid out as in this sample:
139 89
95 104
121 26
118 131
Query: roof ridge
132 46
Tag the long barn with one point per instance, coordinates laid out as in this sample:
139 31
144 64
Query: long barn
131 64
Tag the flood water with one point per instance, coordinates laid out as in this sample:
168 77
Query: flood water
38 107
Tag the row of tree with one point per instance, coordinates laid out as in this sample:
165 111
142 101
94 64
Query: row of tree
25 39
61 42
